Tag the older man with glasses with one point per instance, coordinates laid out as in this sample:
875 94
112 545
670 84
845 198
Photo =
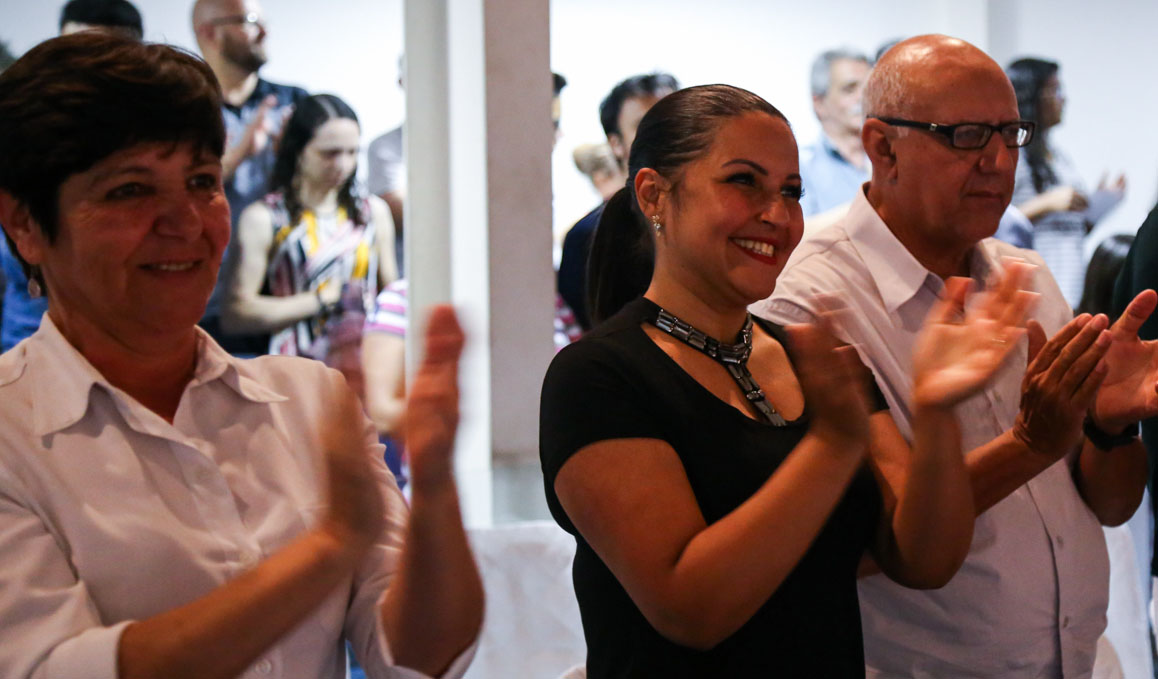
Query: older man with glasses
231 36
1053 453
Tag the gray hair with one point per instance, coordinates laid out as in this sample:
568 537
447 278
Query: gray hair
820 79
886 92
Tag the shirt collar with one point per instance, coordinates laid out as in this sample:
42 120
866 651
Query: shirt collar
63 379
897 273
213 363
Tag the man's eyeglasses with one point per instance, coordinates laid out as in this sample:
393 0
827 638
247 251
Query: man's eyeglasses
251 18
973 135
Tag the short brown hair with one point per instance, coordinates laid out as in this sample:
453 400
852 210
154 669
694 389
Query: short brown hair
72 101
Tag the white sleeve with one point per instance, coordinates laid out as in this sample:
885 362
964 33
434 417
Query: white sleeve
51 627
363 627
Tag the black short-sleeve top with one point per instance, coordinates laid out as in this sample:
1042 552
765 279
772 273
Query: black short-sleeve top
616 383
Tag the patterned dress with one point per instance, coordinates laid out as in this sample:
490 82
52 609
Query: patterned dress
315 254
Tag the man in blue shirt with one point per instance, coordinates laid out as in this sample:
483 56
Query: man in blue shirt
620 113
835 166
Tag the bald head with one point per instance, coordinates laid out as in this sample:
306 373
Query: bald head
912 77
230 35
205 11
939 200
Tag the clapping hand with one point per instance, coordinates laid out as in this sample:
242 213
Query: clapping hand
432 406
1060 383
1129 392
958 351
356 507
253 139
833 380
1118 185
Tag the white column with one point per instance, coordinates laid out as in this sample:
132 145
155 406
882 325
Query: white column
479 214
1002 22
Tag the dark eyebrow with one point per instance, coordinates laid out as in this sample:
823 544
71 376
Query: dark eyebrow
203 159
758 168
741 161
130 169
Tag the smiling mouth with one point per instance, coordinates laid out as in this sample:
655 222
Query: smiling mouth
758 247
170 266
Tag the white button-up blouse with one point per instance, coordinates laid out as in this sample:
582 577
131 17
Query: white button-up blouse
110 514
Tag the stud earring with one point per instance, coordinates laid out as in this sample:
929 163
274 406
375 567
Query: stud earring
656 223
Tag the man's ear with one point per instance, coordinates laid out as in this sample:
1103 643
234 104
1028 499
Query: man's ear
652 190
20 226
879 140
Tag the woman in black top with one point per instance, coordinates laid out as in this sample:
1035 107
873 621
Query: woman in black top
719 493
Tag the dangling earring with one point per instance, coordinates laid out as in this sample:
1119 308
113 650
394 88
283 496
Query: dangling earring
34 288
656 223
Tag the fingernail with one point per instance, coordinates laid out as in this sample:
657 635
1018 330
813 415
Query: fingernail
1104 338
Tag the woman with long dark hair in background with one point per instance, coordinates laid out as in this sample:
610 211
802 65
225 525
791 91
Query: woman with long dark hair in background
317 248
1048 189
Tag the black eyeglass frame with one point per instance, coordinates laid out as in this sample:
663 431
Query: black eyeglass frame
950 131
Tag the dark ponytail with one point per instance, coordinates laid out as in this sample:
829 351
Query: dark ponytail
676 131
622 254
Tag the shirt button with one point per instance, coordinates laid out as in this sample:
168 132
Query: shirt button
1066 622
264 666
1058 541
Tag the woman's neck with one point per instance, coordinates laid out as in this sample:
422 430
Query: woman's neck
154 371
720 321
320 200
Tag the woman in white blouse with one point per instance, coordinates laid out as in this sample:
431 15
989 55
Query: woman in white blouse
165 509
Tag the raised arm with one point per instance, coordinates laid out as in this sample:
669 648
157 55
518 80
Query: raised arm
697 584
433 610
1111 478
927 525
1057 199
222 633
246 309
384 238
384 367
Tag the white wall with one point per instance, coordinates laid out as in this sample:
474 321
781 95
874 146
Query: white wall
350 49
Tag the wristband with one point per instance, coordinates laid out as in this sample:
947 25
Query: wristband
1105 441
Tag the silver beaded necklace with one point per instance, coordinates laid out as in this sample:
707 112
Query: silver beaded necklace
734 357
